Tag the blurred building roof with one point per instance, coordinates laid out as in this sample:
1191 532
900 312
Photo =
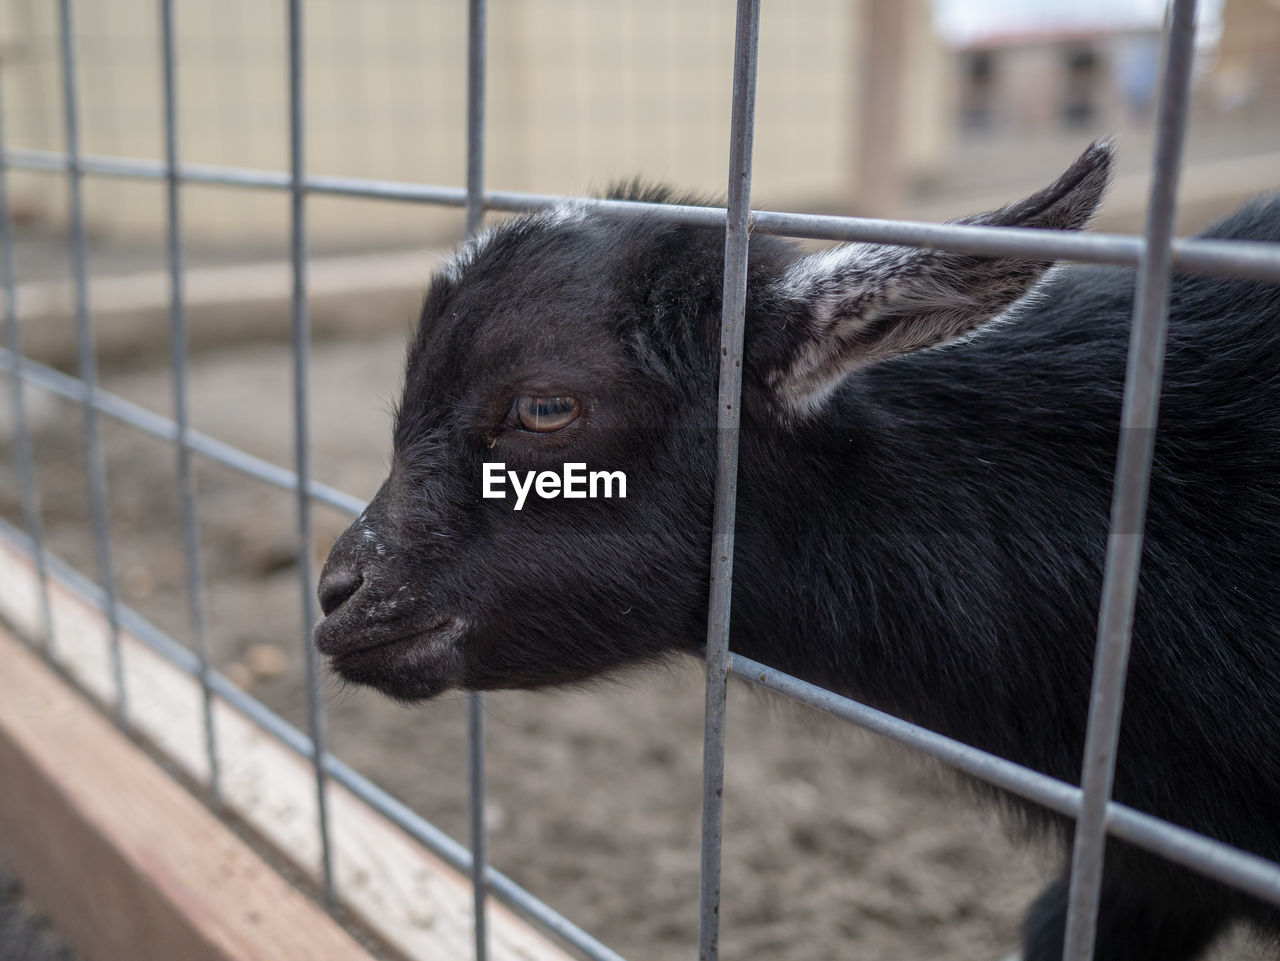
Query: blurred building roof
976 23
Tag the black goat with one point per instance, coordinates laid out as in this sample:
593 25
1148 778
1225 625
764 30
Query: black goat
921 529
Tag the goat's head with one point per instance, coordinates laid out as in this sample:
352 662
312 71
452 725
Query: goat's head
582 336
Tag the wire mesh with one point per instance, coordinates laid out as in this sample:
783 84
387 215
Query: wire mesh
1156 255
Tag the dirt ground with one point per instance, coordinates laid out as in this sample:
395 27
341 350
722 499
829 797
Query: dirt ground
836 844
25 934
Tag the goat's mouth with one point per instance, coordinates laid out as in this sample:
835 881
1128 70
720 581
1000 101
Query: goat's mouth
412 664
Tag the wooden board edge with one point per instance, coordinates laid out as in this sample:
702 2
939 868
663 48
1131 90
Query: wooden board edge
124 860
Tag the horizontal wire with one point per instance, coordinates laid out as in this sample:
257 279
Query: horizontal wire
157 425
1248 260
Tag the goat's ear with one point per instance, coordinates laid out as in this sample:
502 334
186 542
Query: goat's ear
861 303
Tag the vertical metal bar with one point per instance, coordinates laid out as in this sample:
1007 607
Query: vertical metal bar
737 227
181 404
476 60
479 840
87 361
23 451
301 341
1129 502
476 51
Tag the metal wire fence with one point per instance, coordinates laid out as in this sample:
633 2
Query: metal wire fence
1155 255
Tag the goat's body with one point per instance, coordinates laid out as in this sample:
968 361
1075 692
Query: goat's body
959 583
922 529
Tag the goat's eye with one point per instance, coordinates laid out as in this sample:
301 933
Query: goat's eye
542 415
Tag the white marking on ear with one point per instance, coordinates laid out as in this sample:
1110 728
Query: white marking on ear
844 291
828 284
863 303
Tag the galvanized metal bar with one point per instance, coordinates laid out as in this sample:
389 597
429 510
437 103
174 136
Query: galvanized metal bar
1221 258
436 195
132 168
479 838
1129 503
162 427
477 55
86 358
477 28
24 454
181 399
136 168
728 418
300 330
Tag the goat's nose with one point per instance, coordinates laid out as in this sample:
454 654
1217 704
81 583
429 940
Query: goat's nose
336 587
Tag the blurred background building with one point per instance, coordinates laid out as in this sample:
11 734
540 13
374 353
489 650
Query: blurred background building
926 109
580 94
902 108
869 106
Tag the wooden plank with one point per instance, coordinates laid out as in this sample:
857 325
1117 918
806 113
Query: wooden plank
127 863
412 899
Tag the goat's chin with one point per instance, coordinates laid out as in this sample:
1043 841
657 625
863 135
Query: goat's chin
401 688
409 669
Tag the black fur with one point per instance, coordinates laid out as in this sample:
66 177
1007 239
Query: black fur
928 537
